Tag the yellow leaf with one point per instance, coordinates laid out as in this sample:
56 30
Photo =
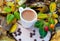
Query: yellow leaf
52 6
13 28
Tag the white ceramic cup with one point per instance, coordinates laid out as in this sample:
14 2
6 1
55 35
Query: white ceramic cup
26 23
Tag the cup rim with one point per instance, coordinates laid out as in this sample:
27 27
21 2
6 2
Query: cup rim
31 10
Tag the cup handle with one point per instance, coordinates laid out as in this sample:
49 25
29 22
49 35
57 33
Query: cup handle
20 9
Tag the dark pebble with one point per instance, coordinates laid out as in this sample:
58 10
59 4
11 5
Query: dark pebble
33 30
42 40
15 33
31 35
35 40
40 37
18 30
19 33
19 39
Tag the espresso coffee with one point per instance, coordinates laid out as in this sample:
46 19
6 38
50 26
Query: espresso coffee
28 15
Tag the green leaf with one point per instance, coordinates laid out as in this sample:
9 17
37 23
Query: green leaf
51 21
42 32
47 24
10 18
39 24
17 15
23 5
7 9
42 16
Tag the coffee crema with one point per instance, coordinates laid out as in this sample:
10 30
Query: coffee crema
28 15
